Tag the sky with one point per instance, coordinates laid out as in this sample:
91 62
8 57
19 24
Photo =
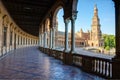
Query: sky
85 8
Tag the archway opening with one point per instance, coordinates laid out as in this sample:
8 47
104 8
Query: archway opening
59 28
93 22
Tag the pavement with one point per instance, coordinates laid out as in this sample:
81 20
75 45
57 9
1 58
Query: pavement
31 64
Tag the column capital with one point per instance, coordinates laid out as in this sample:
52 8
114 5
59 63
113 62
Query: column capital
53 28
66 20
74 15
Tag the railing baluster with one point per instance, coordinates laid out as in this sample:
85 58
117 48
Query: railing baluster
102 67
99 66
109 70
105 68
95 66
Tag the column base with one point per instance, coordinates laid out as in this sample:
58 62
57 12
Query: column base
72 52
66 51
67 58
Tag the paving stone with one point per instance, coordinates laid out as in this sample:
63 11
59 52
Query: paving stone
31 64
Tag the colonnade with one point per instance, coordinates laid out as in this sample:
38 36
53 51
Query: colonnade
11 35
43 40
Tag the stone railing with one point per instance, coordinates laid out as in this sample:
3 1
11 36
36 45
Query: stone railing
96 65
99 66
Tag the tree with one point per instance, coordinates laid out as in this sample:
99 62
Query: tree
109 41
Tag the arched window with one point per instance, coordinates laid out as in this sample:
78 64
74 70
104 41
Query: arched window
58 23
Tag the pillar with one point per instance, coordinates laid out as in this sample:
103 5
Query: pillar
42 39
45 45
117 26
68 57
116 59
13 39
8 38
50 39
66 35
73 18
20 40
39 39
53 37
1 35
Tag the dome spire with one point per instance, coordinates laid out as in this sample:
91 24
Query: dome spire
95 7
95 10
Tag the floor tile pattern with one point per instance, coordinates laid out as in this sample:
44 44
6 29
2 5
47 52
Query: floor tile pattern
31 64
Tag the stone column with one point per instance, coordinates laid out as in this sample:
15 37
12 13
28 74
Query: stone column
117 27
53 38
50 39
1 35
73 18
8 38
39 39
16 40
45 40
24 42
20 40
66 34
42 39
116 59
13 39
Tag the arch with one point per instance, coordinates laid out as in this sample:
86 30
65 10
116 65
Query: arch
55 14
11 26
5 20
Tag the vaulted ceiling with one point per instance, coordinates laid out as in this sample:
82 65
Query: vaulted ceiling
28 13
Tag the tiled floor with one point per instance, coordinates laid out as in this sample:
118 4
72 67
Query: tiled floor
31 64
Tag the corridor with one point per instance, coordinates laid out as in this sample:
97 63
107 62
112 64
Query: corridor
31 64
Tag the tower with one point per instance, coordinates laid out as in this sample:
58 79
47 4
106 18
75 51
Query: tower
81 32
96 34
